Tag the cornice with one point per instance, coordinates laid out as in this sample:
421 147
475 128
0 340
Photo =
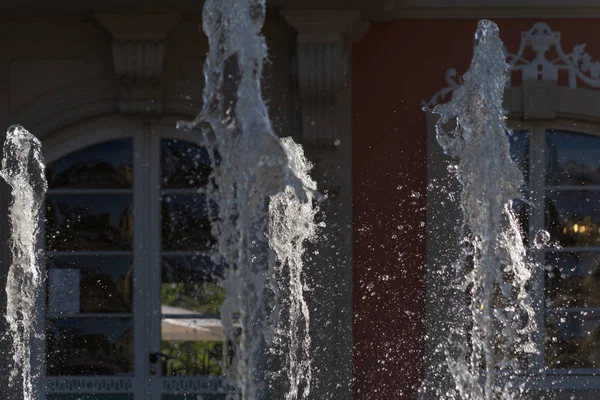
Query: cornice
564 12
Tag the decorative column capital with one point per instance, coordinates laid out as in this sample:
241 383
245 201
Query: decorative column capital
138 56
324 39
340 26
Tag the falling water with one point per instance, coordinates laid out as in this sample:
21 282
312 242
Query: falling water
495 337
23 170
264 211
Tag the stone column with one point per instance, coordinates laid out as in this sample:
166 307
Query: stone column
323 49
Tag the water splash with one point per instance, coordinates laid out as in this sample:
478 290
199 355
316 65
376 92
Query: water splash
262 194
291 224
492 270
23 170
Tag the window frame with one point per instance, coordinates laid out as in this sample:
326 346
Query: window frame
146 253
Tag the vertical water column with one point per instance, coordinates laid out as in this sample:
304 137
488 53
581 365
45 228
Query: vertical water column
23 170
495 338
263 211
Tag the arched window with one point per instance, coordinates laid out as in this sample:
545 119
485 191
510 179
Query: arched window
132 301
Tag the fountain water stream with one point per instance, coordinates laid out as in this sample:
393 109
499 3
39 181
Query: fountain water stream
495 334
263 197
23 170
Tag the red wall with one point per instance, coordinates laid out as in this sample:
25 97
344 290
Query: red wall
396 66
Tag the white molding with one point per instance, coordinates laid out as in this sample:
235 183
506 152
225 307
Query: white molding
323 45
85 384
578 65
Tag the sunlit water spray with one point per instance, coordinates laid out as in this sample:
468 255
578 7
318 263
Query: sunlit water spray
494 340
23 170
262 202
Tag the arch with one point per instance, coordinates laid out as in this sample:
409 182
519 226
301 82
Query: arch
78 101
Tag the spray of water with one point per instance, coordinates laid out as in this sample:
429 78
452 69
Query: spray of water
499 317
262 197
23 170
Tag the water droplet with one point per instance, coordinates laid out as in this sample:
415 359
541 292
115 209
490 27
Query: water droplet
415 194
541 239
337 142
452 168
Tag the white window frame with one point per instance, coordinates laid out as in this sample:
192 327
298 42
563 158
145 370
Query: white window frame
536 106
146 137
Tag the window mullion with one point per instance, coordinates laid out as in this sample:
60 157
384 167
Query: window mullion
141 188
537 217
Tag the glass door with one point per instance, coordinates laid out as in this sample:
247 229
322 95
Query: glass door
91 317
188 354
132 301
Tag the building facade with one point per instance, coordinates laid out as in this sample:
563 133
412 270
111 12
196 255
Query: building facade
102 84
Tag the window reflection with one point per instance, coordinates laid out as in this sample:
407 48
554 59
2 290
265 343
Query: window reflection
89 346
519 151
185 223
102 166
191 284
573 218
89 222
190 358
573 340
573 279
184 164
90 284
572 159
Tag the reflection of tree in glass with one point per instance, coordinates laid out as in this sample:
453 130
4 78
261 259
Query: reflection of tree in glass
185 224
570 158
202 297
193 358
81 230
91 176
99 166
184 164
193 283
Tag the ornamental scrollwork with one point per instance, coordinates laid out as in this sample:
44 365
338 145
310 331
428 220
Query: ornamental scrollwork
541 39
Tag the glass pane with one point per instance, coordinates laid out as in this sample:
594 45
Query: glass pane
185 223
573 218
89 222
89 346
191 284
183 164
573 280
105 165
572 159
192 356
90 284
519 151
573 340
